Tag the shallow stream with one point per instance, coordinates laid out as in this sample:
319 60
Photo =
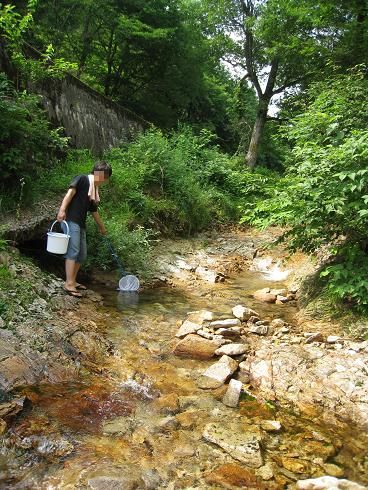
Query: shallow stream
138 423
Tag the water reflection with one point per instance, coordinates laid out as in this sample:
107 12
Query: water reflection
127 300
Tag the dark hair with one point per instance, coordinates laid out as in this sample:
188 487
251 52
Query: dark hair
102 166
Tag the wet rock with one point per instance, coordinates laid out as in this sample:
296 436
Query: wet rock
232 476
259 329
306 376
271 425
168 423
184 451
196 347
201 316
168 404
333 470
277 323
253 319
281 299
232 395
209 275
12 408
202 402
188 419
243 313
118 425
219 372
264 295
2 427
265 472
240 444
229 322
188 327
294 465
111 483
327 483
232 350
46 446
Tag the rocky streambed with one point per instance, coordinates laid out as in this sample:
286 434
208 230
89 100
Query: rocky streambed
197 383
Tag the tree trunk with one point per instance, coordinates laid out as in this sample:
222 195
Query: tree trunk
252 154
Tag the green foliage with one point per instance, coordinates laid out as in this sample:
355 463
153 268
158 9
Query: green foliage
176 184
347 279
323 197
14 27
132 246
27 144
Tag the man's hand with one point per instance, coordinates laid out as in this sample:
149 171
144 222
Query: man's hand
61 215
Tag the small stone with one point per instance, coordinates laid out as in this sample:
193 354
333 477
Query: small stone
187 328
264 295
259 329
282 299
243 313
232 350
265 472
230 322
332 339
277 323
271 425
232 395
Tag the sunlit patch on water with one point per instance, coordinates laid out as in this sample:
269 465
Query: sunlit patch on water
270 270
144 391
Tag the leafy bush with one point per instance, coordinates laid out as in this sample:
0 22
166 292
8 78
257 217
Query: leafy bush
324 195
174 184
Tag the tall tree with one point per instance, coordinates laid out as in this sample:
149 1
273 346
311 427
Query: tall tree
277 44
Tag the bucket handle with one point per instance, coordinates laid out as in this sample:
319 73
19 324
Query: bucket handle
56 221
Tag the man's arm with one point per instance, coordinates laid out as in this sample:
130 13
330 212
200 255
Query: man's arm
99 222
65 203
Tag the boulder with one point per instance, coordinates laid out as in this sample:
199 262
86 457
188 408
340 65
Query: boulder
265 295
196 347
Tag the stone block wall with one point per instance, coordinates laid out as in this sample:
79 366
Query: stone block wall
90 119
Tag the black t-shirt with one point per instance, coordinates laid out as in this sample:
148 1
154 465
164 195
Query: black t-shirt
81 203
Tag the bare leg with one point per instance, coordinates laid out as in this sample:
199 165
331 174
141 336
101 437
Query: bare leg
71 271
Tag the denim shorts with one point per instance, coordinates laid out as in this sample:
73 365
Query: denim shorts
77 247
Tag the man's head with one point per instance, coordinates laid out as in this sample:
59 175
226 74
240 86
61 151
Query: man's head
102 171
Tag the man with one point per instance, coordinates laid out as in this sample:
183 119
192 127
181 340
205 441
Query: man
81 197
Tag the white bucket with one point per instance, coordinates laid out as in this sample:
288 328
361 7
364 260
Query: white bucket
57 243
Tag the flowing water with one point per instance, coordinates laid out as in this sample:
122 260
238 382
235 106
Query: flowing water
138 423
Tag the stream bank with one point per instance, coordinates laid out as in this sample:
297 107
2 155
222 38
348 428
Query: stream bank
127 413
